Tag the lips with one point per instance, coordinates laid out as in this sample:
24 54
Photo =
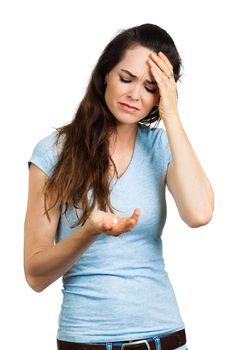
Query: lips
129 106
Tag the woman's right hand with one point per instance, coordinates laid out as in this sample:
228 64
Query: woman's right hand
104 222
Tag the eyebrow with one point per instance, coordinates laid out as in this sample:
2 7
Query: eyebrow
134 76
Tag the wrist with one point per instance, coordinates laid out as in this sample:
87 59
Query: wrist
175 119
89 230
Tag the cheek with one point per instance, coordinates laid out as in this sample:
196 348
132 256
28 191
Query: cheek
120 89
108 95
112 90
149 100
114 93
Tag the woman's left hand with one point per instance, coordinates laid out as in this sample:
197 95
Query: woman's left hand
162 71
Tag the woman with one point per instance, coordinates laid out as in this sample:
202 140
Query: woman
97 188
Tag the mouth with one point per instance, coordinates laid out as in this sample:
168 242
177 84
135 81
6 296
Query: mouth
129 107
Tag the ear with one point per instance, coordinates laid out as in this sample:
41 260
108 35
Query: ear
106 78
157 100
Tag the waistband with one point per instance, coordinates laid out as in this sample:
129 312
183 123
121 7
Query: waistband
169 342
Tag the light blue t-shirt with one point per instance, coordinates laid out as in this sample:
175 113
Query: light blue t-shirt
119 288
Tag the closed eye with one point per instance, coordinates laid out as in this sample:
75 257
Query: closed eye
130 81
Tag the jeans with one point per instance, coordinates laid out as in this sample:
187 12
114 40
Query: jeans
109 345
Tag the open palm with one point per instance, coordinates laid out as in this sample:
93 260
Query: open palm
100 221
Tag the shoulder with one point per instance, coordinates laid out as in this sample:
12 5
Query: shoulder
46 151
156 140
46 143
153 136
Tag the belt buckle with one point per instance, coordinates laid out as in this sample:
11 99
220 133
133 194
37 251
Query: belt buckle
136 343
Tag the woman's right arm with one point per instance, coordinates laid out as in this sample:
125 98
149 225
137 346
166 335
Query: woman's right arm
44 261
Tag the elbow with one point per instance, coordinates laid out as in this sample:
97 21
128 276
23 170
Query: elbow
34 277
34 283
202 220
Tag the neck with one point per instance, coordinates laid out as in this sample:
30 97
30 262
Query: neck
125 135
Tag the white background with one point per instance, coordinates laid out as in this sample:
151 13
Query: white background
48 50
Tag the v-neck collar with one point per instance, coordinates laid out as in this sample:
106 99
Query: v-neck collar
132 161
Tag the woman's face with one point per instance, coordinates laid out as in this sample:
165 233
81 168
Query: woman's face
131 83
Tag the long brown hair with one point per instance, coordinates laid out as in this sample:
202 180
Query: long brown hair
83 163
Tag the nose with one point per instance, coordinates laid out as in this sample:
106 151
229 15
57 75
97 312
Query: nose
134 92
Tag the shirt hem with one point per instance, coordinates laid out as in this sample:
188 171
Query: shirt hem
109 338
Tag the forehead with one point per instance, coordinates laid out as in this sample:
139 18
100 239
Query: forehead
136 59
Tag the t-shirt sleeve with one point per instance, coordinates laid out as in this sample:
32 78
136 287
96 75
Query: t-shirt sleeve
44 154
165 147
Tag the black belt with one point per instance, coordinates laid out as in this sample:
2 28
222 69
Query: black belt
168 342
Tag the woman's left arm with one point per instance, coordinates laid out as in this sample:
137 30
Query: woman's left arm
186 180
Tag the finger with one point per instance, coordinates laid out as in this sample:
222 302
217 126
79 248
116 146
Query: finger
132 221
160 63
160 77
130 224
136 213
164 57
106 224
